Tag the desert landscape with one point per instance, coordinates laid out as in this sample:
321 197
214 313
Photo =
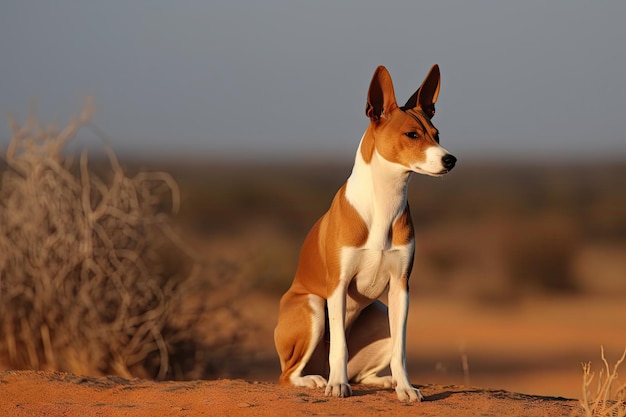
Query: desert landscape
151 287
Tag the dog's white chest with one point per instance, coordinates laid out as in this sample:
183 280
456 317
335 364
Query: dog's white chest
371 269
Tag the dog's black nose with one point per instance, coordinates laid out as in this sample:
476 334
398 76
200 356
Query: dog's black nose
448 161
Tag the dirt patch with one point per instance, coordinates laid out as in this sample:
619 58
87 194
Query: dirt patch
29 393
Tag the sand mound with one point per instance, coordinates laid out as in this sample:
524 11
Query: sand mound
29 393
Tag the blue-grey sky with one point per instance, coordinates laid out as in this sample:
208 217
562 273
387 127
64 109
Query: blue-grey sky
534 79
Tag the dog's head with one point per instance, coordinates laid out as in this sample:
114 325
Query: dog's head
405 135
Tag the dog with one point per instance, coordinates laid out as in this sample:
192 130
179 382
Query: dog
360 248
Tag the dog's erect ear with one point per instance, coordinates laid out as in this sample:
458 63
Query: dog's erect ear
426 95
381 99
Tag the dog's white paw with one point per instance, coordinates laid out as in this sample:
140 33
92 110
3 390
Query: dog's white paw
309 381
338 390
409 394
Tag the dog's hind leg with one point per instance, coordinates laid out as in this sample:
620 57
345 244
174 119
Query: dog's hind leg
369 346
298 336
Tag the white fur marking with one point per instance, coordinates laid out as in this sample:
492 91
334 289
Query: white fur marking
433 165
379 199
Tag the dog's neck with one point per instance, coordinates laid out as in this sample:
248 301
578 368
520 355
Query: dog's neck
377 188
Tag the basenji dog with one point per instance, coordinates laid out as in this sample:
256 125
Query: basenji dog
331 322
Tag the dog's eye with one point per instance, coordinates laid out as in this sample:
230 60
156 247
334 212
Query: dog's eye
412 135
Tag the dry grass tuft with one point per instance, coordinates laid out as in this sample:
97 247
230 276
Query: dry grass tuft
609 398
91 273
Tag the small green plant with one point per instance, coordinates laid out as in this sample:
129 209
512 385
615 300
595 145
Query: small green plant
609 398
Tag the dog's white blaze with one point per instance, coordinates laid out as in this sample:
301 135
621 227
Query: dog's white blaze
433 164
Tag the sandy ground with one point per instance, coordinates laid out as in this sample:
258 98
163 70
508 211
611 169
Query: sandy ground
33 393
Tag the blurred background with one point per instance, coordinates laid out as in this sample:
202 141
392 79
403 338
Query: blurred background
256 111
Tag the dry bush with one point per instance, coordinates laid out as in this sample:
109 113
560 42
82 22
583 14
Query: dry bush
609 398
91 273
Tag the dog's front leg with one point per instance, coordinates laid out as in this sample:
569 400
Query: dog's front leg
398 312
338 357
